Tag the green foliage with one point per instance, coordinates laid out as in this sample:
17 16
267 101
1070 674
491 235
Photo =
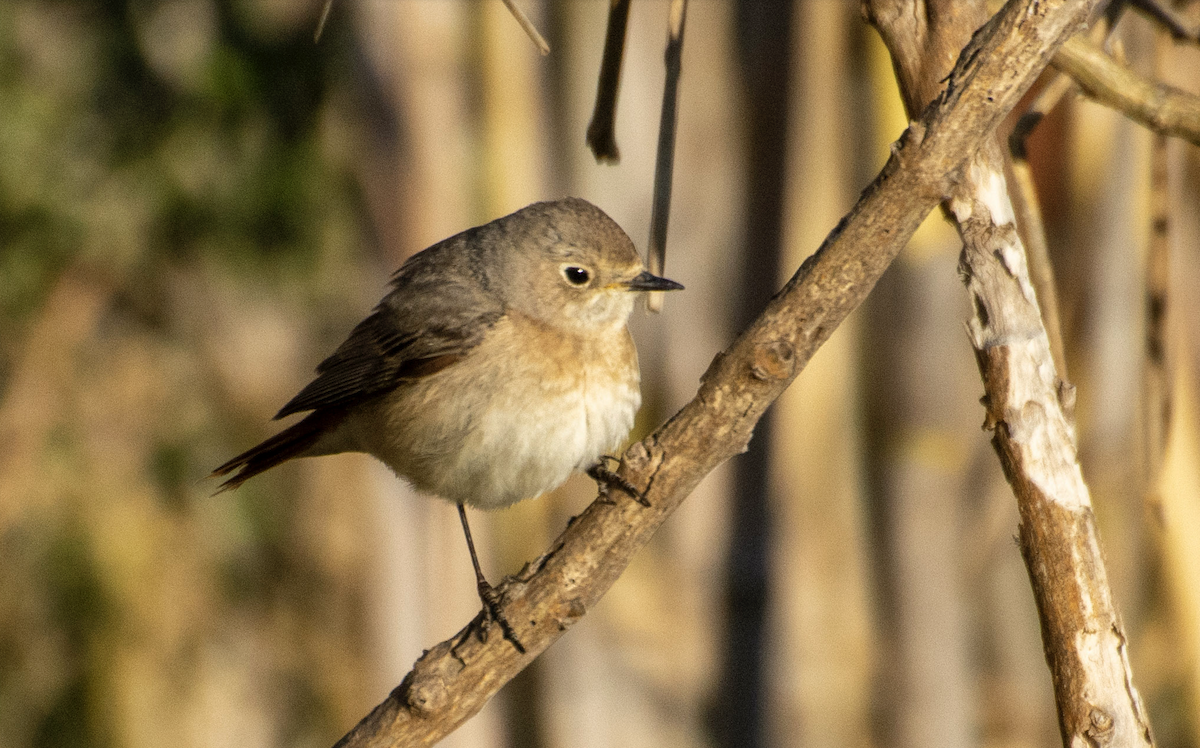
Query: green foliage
162 148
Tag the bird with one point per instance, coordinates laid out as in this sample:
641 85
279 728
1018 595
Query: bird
498 364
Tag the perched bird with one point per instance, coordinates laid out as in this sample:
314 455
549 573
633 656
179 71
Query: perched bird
498 365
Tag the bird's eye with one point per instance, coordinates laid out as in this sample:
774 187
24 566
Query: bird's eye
576 276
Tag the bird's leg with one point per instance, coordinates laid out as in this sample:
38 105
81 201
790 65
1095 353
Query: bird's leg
606 479
487 593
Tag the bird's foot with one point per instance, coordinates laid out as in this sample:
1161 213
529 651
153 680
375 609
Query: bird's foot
493 614
606 479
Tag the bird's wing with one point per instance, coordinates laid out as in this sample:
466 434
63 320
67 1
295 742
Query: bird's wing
428 322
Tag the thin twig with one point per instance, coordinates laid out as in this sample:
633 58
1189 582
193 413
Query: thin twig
1026 204
1173 24
601 131
1160 107
453 680
1029 217
321 21
664 165
528 26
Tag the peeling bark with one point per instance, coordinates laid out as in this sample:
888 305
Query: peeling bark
1028 409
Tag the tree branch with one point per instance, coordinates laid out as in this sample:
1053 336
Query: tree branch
1160 107
1028 412
454 679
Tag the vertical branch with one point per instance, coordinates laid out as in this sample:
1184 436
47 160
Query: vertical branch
1027 407
1156 377
1029 216
664 164
601 132
1026 403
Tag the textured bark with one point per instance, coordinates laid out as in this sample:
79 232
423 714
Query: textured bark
453 680
1028 411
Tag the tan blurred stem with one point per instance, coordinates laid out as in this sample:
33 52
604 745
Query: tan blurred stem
1179 488
1157 381
1156 377
1028 209
1029 217
454 679
527 26
820 604
664 164
1027 405
1160 107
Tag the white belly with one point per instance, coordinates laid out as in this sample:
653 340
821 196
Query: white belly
519 452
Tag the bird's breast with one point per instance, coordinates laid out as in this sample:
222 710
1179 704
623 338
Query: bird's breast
516 417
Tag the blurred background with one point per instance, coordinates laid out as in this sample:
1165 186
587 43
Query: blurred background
197 203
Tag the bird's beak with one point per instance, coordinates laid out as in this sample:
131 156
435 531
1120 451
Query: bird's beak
647 282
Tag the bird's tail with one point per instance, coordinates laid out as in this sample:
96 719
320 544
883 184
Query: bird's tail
294 441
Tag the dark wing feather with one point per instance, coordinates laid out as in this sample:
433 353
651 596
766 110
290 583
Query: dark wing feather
437 311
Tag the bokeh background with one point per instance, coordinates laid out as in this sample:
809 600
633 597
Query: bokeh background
197 203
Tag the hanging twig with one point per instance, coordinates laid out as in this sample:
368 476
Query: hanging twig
528 26
664 164
601 131
321 21
454 679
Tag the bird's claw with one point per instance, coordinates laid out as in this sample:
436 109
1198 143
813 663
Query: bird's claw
493 614
606 479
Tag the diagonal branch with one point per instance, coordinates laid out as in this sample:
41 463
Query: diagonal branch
1168 19
1160 107
321 20
454 679
527 26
